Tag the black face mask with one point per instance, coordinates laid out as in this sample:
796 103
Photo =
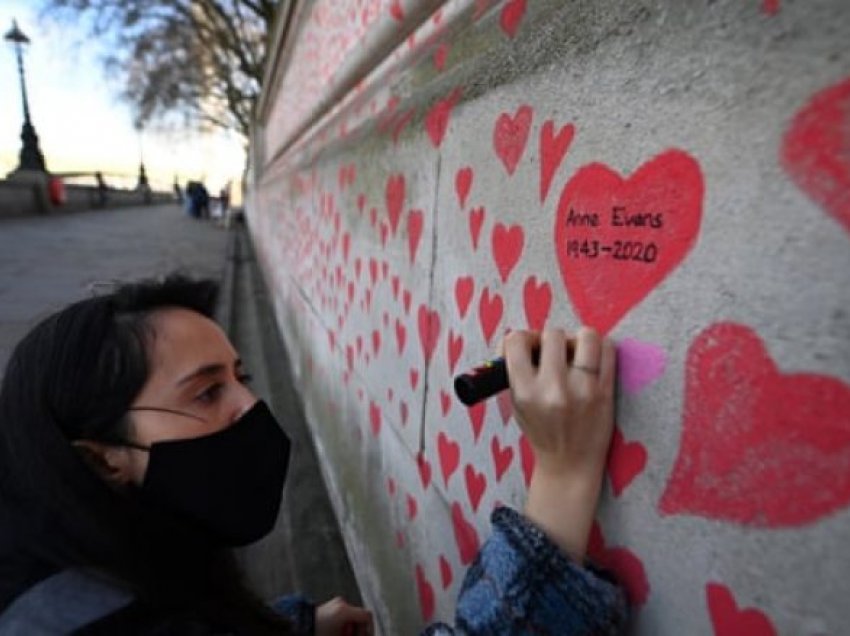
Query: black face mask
230 482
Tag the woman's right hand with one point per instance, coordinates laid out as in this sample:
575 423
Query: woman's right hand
566 412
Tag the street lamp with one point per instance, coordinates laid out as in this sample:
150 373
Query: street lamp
31 157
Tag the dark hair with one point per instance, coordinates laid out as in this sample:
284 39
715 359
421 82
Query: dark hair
74 377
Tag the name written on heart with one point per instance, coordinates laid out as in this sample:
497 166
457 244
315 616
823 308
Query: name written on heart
621 250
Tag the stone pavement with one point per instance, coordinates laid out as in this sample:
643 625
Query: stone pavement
47 262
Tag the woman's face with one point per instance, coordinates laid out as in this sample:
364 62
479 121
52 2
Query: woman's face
193 369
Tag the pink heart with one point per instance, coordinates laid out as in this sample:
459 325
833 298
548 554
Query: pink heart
639 364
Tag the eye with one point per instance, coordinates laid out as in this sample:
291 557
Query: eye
245 378
210 394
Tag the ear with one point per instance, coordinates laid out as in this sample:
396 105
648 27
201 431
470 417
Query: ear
113 464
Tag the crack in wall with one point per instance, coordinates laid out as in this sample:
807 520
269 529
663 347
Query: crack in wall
431 271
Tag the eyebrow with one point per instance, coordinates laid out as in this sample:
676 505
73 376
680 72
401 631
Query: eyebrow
207 370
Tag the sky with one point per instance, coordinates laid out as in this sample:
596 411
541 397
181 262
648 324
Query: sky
81 121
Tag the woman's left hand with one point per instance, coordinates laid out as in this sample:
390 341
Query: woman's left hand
338 618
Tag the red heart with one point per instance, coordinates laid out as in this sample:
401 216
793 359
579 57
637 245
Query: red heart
476 484
626 460
357 265
481 7
395 199
424 467
429 330
463 183
400 335
507 245
815 150
537 300
437 119
728 620
466 536
476 220
476 418
616 239
526 455
510 135
445 572
373 270
391 486
346 246
395 286
390 394
375 418
747 427
770 7
623 562
464 288
511 16
412 506
396 11
455 343
373 218
440 55
406 297
349 356
414 378
361 202
414 232
552 150
445 402
376 342
401 122
506 407
489 313
403 412
502 457
426 594
449 453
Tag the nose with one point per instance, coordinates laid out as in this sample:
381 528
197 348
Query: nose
244 399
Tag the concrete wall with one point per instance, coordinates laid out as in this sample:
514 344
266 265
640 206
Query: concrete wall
425 176
27 197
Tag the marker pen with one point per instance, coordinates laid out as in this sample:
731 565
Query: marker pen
491 377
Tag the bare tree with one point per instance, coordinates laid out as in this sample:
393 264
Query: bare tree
201 60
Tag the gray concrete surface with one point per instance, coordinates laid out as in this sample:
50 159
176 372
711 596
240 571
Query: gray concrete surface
48 262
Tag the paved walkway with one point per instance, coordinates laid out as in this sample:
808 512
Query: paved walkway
47 262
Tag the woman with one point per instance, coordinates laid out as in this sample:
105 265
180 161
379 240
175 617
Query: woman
133 455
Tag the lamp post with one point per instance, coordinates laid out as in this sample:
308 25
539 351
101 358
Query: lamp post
31 157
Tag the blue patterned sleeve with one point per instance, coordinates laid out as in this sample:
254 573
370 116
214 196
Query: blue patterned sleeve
300 611
521 583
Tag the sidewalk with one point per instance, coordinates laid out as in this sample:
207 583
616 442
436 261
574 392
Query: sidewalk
48 262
